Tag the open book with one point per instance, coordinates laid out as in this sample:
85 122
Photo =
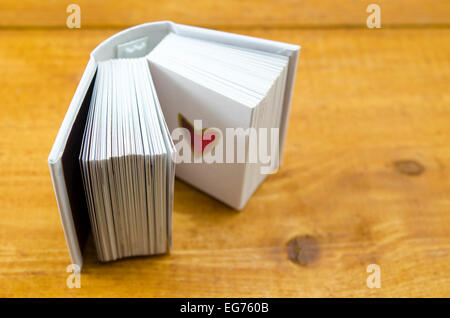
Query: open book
215 104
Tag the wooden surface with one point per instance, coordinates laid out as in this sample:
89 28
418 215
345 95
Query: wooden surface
228 13
365 180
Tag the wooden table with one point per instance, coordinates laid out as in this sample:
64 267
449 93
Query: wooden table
365 178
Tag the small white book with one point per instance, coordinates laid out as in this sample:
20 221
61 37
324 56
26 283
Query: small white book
215 104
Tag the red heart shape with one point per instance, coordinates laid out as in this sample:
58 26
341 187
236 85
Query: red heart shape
197 140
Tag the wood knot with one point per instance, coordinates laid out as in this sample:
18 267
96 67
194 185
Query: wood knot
303 250
409 167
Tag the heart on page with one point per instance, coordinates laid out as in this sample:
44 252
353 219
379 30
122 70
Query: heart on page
201 141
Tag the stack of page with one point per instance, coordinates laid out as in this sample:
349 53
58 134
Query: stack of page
230 92
126 163
156 95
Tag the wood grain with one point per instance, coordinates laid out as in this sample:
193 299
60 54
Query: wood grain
231 13
365 100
